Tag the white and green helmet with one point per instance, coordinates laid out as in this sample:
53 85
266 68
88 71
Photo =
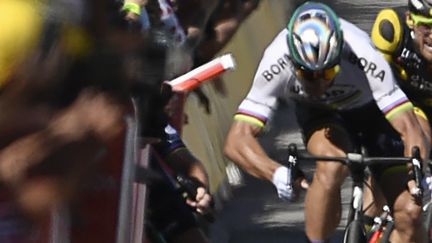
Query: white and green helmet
315 38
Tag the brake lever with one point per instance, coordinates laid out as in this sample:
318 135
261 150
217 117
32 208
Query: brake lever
417 169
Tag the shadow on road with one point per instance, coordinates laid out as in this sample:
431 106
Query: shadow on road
257 215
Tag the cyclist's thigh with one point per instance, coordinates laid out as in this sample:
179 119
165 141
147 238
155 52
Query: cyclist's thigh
328 142
393 182
325 131
326 134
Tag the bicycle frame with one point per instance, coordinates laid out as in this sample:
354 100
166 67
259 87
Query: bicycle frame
382 227
357 200
357 162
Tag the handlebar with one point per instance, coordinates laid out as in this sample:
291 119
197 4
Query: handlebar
352 159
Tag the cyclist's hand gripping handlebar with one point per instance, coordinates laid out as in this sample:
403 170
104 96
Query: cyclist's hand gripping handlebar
287 178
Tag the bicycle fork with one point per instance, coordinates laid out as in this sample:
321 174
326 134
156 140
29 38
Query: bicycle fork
357 201
357 174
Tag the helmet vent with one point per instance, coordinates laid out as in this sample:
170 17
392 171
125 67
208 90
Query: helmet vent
315 40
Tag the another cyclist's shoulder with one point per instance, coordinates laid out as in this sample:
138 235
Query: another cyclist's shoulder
388 31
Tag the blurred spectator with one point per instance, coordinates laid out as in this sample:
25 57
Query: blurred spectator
169 214
222 26
62 103
68 70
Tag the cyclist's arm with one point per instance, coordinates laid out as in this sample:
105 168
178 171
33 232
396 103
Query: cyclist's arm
184 162
397 108
242 147
411 133
257 108
72 133
54 161
179 157
390 99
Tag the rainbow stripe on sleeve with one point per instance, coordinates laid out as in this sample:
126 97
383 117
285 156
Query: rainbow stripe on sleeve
253 119
396 108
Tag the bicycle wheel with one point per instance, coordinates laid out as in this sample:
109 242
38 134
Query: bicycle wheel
354 233
428 222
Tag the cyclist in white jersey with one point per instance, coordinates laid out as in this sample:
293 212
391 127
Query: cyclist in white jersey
345 96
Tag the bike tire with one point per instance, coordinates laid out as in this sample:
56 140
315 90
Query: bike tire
428 222
354 233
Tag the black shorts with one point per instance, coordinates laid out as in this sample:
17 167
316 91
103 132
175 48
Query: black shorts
366 126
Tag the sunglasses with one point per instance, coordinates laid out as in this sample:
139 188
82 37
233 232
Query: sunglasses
421 20
326 74
423 24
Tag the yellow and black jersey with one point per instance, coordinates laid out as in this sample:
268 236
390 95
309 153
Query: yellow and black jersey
392 36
